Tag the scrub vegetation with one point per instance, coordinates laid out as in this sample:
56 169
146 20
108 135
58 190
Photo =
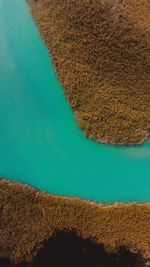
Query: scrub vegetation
101 54
66 249
31 222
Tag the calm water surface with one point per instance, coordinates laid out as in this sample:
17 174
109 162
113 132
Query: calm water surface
40 143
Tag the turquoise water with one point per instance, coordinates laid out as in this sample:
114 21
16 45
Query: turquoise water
40 143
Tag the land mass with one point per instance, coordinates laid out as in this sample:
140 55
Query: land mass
101 54
28 218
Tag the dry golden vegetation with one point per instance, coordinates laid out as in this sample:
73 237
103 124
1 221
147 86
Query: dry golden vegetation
101 54
28 218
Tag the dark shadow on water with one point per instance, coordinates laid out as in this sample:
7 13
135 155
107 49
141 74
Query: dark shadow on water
66 249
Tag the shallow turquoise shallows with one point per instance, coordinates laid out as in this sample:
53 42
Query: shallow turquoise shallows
40 144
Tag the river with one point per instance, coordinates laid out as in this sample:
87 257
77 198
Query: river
40 143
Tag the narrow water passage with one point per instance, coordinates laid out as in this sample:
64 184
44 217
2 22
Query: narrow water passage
40 143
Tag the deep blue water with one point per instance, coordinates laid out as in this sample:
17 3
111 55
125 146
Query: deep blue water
40 143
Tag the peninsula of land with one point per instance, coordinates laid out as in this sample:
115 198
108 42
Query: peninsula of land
28 218
101 54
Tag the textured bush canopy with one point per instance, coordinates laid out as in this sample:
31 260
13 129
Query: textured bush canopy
29 218
66 249
101 54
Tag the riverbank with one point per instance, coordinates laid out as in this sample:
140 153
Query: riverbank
100 52
29 218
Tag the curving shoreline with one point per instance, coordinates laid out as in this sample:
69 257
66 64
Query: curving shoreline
100 52
28 218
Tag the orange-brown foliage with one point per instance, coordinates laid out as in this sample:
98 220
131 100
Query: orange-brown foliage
101 54
28 218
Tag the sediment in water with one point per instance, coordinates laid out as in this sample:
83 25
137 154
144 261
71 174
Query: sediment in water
101 54
29 218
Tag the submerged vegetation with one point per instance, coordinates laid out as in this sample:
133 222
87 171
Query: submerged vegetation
100 51
29 218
